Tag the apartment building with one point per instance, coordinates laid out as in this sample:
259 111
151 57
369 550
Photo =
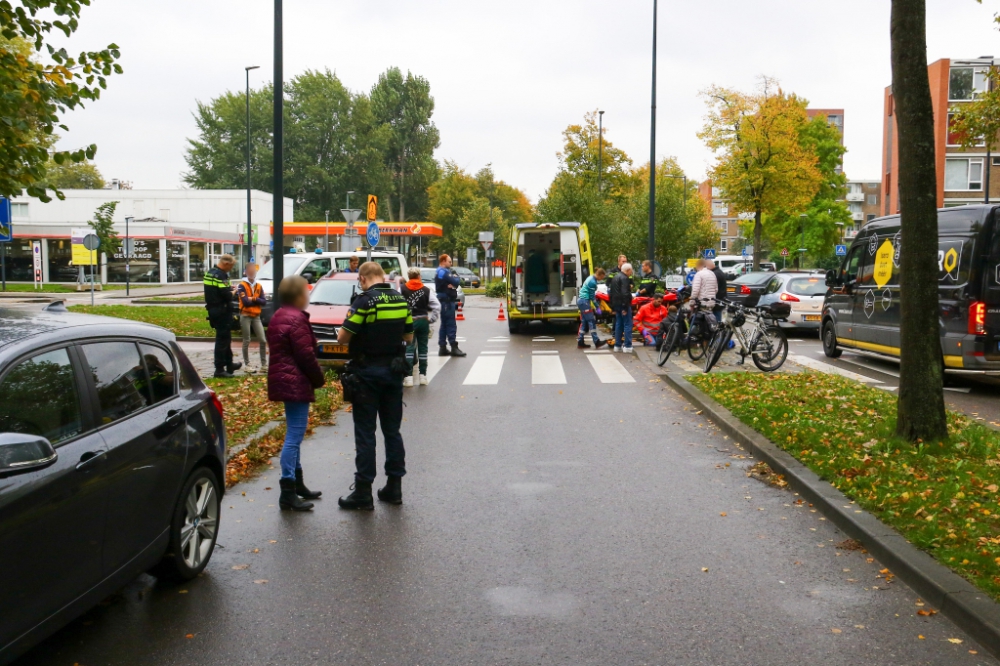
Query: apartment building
962 174
835 118
864 202
724 217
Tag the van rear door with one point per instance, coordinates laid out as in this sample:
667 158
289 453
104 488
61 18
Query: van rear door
586 260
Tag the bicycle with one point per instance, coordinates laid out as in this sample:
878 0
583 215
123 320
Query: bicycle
688 329
764 342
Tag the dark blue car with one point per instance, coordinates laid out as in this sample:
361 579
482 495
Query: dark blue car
112 463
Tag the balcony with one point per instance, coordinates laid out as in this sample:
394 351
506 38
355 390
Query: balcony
855 196
850 234
858 216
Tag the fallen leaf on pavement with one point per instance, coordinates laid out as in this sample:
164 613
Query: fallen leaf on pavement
272 541
255 550
836 631
240 567
956 641
189 636
926 613
182 591
262 581
920 636
723 514
859 626
704 569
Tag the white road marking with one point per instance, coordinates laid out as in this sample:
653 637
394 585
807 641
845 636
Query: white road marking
494 352
545 351
610 371
485 371
549 340
887 388
813 364
958 389
499 340
868 367
547 370
434 365
598 351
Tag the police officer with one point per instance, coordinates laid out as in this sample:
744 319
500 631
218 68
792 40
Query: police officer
446 285
377 326
218 302
647 281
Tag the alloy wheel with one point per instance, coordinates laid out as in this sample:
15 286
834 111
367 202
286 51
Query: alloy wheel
201 521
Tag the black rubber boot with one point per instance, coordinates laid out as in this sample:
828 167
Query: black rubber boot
301 490
443 351
580 344
600 343
223 374
233 367
361 498
392 492
289 500
455 351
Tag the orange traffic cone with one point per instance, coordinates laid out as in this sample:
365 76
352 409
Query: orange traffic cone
458 315
500 316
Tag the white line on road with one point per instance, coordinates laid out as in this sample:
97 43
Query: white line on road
610 371
485 371
958 389
494 352
545 351
547 370
434 365
813 364
869 367
598 351
887 388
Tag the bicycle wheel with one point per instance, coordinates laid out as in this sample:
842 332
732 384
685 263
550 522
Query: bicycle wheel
697 344
668 344
770 350
719 343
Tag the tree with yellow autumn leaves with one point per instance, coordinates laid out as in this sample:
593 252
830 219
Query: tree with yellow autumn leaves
764 168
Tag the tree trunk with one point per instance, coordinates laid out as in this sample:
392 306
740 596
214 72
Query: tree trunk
402 176
758 228
920 413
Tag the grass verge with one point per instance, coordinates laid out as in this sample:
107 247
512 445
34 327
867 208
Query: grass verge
200 298
247 409
942 496
181 320
53 288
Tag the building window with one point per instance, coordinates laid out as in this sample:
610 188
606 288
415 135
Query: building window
995 161
871 216
955 138
724 227
198 262
143 265
854 206
854 188
18 210
963 175
720 208
872 199
965 83
61 268
176 253
724 246
716 192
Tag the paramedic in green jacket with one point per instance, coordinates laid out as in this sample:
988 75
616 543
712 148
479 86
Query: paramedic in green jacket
588 321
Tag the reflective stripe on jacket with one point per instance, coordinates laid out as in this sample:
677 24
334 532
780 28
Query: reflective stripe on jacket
251 298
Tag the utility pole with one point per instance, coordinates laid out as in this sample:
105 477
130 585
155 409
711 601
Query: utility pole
326 244
651 246
600 150
249 256
278 201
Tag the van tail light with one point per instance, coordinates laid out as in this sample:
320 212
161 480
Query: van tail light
216 403
977 318
790 298
745 290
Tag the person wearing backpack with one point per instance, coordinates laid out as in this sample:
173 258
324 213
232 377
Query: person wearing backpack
425 308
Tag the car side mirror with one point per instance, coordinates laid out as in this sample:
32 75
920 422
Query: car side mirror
309 277
23 453
831 278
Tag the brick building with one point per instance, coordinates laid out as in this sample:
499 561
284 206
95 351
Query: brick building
961 174
864 201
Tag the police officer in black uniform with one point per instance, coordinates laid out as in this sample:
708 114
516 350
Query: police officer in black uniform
647 281
378 326
219 303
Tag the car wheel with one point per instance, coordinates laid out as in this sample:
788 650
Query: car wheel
513 326
193 528
830 347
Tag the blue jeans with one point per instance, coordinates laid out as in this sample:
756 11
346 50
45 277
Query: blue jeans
381 396
449 329
623 328
296 420
588 322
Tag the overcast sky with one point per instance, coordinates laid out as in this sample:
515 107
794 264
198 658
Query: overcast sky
507 77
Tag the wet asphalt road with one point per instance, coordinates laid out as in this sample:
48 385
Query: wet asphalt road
543 524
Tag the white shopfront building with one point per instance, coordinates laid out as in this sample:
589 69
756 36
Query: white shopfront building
178 234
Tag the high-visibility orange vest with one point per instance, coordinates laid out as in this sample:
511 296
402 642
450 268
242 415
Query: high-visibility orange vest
253 293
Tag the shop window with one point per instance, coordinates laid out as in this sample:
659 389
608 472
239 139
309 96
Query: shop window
176 254
143 265
198 262
19 260
60 261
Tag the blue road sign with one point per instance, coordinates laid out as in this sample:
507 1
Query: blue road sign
841 250
373 234
6 227
690 276
745 253
710 253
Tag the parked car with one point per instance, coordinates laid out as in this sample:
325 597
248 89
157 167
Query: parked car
112 463
427 277
469 279
314 265
329 302
747 289
803 291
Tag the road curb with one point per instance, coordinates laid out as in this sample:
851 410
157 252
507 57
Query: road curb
972 610
193 338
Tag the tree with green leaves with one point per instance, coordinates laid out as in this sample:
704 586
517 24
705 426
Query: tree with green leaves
73 176
920 414
104 229
404 106
40 82
763 166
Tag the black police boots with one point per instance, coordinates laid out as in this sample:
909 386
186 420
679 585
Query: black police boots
233 367
222 373
443 351
392 492
302 491
361 498
289 500
455 351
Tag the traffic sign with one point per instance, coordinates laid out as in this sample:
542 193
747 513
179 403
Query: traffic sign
710 253
690 277
841 250
91 242
784 251
745 253
373 234
351 215
372 208
6 225
486 245
36 252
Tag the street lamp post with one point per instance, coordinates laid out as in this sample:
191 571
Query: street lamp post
600 149
326 244
277 165
128 252
349 229
802 241
249 256
651 246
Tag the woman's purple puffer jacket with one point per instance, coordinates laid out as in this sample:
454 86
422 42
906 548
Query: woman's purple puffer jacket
293 373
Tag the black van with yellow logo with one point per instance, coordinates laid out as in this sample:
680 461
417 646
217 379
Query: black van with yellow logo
861 310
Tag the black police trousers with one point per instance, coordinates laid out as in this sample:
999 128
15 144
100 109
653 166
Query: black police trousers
222 322
379 395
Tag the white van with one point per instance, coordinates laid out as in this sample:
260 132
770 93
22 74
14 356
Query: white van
733 265
314 265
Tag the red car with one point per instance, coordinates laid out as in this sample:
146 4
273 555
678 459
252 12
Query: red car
329 302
